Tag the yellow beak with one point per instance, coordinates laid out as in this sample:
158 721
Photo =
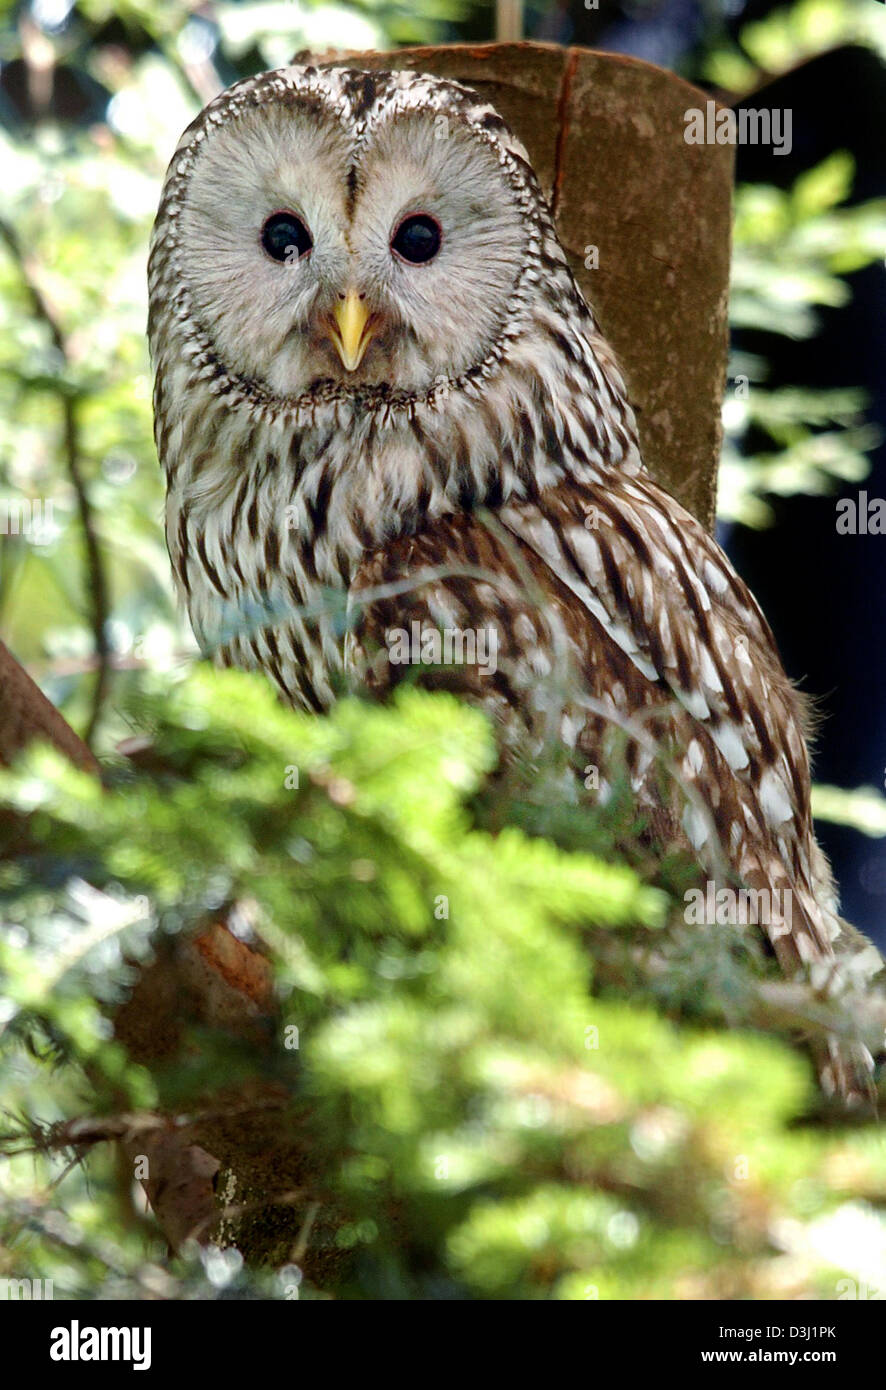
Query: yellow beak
352 333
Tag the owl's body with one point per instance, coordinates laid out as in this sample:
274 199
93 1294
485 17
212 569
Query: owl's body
383 406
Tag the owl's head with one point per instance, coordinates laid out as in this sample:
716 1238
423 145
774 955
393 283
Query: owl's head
340 231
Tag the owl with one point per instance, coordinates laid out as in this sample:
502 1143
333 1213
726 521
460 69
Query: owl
396 444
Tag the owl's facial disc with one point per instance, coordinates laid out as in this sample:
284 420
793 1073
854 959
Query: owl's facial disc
311 257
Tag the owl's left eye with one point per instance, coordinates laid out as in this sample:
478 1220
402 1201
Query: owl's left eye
417 239
285 237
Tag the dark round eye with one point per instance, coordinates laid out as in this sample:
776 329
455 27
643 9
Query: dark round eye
417 239
285 237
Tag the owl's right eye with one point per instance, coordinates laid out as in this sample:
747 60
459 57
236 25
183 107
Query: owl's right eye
285 237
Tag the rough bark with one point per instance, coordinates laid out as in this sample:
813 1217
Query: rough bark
26 714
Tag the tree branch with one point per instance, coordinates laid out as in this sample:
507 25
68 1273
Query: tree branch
96 581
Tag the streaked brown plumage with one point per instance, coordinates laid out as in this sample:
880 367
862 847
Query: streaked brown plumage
447 441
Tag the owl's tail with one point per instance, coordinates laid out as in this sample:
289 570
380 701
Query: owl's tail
836 962
812 943
847 1066
846 1072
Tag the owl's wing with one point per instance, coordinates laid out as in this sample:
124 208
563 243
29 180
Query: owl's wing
461 577
667 596
622 596
636 622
